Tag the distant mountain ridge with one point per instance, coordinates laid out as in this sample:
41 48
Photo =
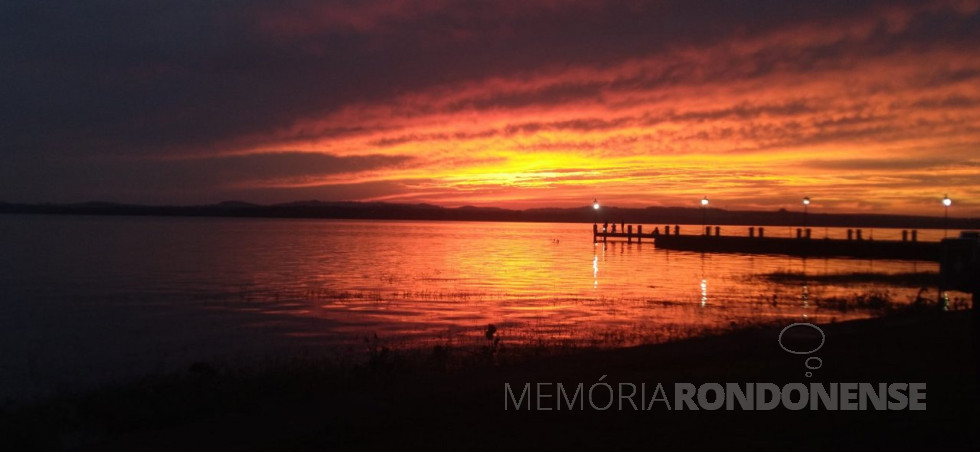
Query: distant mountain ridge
585 214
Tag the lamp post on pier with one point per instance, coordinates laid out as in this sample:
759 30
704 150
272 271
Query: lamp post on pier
946 204
595 207
806 203
704 214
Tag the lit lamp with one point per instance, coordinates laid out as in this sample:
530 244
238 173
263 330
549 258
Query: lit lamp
704 213
946 203
595 206
806 202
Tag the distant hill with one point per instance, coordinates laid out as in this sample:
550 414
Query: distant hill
585 214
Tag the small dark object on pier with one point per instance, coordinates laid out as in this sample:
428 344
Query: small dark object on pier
490 331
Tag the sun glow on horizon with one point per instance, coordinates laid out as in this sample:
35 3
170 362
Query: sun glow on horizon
752 142
868 108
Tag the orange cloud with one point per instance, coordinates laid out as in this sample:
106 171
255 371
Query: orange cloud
754 122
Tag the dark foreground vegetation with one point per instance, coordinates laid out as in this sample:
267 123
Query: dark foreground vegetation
445 398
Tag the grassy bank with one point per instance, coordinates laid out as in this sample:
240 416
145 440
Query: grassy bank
454 399
905 279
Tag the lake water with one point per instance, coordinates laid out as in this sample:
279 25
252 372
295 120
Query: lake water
91 299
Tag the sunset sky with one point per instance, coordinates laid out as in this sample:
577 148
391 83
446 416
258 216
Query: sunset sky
863 106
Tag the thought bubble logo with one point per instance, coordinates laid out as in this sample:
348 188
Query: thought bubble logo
803 339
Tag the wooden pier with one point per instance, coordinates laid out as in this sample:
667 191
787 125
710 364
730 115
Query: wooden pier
757 243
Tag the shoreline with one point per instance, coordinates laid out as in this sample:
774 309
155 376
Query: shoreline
653 215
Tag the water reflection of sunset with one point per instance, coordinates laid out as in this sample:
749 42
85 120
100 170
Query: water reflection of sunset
417 283
525 279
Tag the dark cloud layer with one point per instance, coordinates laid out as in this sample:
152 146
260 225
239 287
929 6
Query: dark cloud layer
193 180
117 77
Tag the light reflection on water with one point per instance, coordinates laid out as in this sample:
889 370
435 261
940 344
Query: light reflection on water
412 283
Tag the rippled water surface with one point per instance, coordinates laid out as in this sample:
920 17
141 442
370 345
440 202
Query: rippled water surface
90 295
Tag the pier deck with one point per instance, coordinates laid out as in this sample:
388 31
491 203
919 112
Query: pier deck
802 246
